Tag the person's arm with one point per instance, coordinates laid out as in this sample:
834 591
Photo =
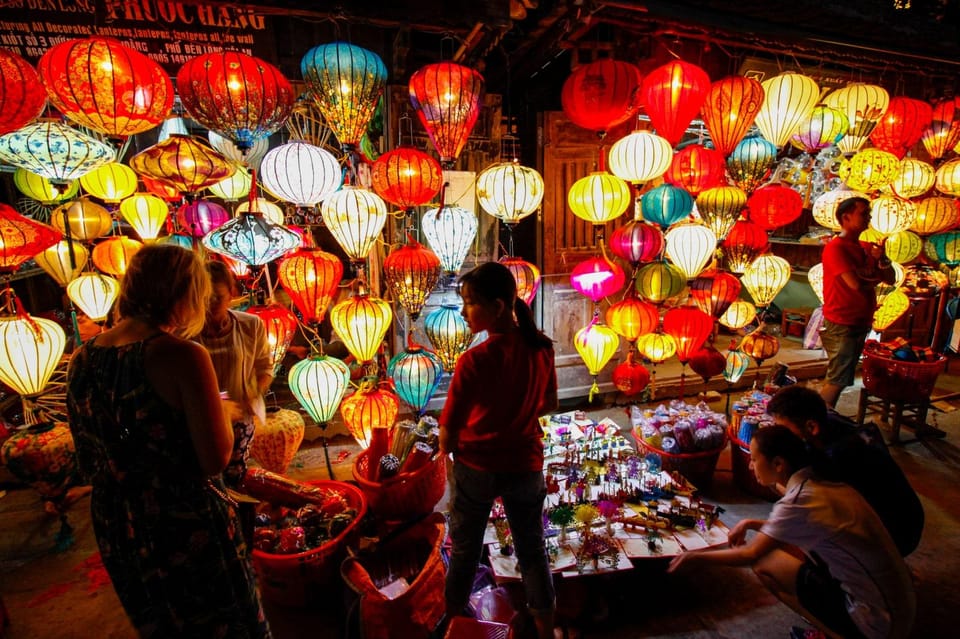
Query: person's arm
551 401
262 363
738 534
208 418
744 555
456 410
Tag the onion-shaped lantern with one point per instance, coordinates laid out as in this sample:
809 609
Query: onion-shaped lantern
408 177
690 247
250 238
903 247
720 208
39 188
947 178
738 314
765 278
361 322
823 128
943 132
902 125
707 362
184 163
640 156
743 244
162 189
450 231
53 150
106 86
630 377
673 94
372 407
311 277
946 247
113 255
737 363
760 346
889 214
63 261
21 238
935 214
319 383
631 318
596 345
696 168
81 219
201 216
526 275
750 161
916 178
689 327
890 310
729 109
416 373
22 97
239 96
30 349
300 173
788 100
94 294
146 213
773 206
111 182
280 325
825 207
509 191
870 169
345 82
597 277
599 197
449 334
657 347
713 293
355 217
665 205
637 242
446 97
600 95
660 281
815 277
864 106
411 272
233 188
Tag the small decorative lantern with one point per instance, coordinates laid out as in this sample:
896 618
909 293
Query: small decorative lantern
760 346
53 150
184 163
743 244
750 162
280 324
673 94
599 197
250 238
596 345
729 109
640 156
371 407
111 182
946 247
22 97
773 206
737 363
81 219
630 377
525 274
300 173
446 97
707 362
21 238
713 293
355 217
311 278
637 242
94 294
738 314
690 247
720 208
509 191
270 211
665 205
765 278
597 277
411 272
59 264
361 322
600 95
894 305
659 281
788 100
696 168
916 178
201 216
146 213
247 158
631 318
448 333
30 348
416 373
39 188
450 231
864 106
409 177
112 256
902 125
935 214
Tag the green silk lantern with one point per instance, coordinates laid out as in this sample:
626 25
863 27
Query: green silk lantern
657 347
319 383
903 247
659 281
946 247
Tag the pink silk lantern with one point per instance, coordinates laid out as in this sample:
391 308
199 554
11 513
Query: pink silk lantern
637 242
597 277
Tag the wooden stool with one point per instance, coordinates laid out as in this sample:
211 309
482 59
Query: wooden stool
798 316
911 415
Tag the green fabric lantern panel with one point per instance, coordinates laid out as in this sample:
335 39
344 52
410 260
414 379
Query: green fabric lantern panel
660 281
903 247
946 247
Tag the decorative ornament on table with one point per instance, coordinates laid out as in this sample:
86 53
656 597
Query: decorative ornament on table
599 95
672 95
730 107
276 441
54 150
449 334
446 97
22 97
720 207
319 383
596 344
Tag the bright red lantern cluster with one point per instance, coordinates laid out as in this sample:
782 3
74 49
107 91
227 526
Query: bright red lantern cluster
600 95
902 125
673 94
21 95
406 177
773 206
696 169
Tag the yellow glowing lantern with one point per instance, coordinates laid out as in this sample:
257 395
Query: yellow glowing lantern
788 100
864 105
870 169
58 262
509 191
891 308
94 294
903 247
890 214
765 278
270 211
112 256
599 197
596 344
86 220
760 346
947 179
146 213
111 182
690 247
659 281
361 322
738 315
355 217
657 347
371 407
30 348
720 208
872 236
39 188
815 277
233 188
825 207
916 178
935 214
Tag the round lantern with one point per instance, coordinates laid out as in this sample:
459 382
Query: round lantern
526 275
632 318
597 277
656 347
637 242
864 106
729 109
407 177
94 294
411 272
233 188
690 327
446 97
112 256
737 363
277 439
600 95
707 362
713 293
201 216
673 94
738 314
902 125
696 168
640 156
916 178
182 162
750 161
743 244
81 219
903 247
509 191
106 86
660 281
449 334
319 383
765 278
416 373
239 96
345 82
825 207
22 97
300 173
111 182
720 208
599 197
63 261
890 309
247 158
788 100
361 323
30 348
355 217
760 346
596 345
947 178
146 214
21 238
630 377
54 150
935 214
824 127
665 205
773 206
39 188
280 325
890 214
690 247
946 247
371 407
943 132
815 277
449 231
871 169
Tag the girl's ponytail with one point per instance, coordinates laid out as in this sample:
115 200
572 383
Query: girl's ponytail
528 328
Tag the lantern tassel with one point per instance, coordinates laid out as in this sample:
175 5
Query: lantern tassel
593 390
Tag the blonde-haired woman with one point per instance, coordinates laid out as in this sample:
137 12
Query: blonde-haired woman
153 436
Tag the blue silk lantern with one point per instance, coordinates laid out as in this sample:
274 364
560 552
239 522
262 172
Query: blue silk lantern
946 246
736 366
251 239
665 205
448 333
749 162
177 239
416 373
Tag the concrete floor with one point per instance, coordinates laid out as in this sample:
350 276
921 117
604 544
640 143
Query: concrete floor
54 595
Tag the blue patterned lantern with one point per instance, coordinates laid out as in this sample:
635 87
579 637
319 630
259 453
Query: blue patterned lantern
416 373
946 247
448 333
54 150
251 239
665 205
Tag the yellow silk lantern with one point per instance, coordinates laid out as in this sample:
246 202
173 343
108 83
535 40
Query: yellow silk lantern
864 105
815 277
640 156
690 247
596 344
891 308
760 346
113 255
233 188
371 407
903 247
788 100
355 217
738 315
870 169
146 213
871 236
935 214
270 211
765 278
94 294
890 214
657 347
825 207
30 348
111 182
85 219
916 178
720 208
39 188
947 179
509 191
599 197
659 281
57 261
361 322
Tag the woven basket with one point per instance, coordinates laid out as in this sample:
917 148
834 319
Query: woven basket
898 381
697 468
405 496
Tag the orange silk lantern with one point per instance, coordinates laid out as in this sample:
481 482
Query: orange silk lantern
406 177
902 125
600 95
86 220
22 97
411 272
112 256
182 162
935 214
760 346
630 377
371 407
673 94
631 318
729 109
280 325
696 169
311 277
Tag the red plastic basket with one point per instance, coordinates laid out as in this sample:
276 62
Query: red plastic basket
697 468
898 381
404 496
293 580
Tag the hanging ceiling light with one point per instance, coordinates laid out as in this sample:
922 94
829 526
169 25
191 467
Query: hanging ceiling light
184 163
788 100
870 170
411 272
94 294
81 219
600 95
947 178
738 314
760 346
355 217
146 213
449 334
903 247
361 322
54 150
657 347
22 97
509 191
446 97
730 107
21 238
449 231
640 156
690 247
300 173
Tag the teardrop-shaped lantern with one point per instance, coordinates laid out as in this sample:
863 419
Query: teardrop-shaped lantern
597 277
765 278
416 373
825 207
773 206
311 277
355 217
345 82
657 347
370 408
750 162
760 346
632 318
509 191
889 214
660 281
146 213
890 309
600 95
449 231
943 133
690 247
902 125
184 163
916 177
22 97
673 94
408 177
720 208
39 188
637 242
713 293
199 217
113 255
864 106
596 345
54 150
640 156
729 109
935 214
737 363
446 97
815 277
665 205
319 383
738 314
526 275
743 244
599 197
448 333
85 219
825 127
58 263
280 325
696 168
300 173
411 272
946 247
871 169
788 100
707 362
94 294
241 97
111 182
250 238
689 327
947 178
233 188
21 238
361 322
30 349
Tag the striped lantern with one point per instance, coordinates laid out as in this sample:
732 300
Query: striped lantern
773 206
665 205
916 178
54 150
21 238
416 374
596 345
81 220
509 191
371 407
361 322
743 244
660 281
737 363
935 214
864 106
890 309
199 217
765 278
597 277
113 255
696 168
713 293
729 109
22 97
750 162
690 327
738 314
111 182
58 262
411 272
448 333
903 247
657 347
946 247
600 95
825 207
94 294
446 97
146 214
637 242
823 128
408 177
640 156
280 325
631 318
355 217
870 170
720 208
947 179
943 133
690 246
788 100
182 162
271 212
526 275
233 188
300 173
39 188
672 95
760 346
599 197
890 214
450 232
815 277
30 349
319 382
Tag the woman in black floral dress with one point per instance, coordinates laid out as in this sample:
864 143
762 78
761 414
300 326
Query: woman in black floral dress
152 436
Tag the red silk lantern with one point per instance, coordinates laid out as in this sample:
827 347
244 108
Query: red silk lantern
707 362
600 95
715 292
22 97
374 406
689 327
902 125
525 274
743 244
106 86
696 169
411 272
236 95
280 325
21 238
773 206
944 130
637 242
406 177
446 97
311 277
597 277
729 109
630 377
201 216
631 318
182 162
673 94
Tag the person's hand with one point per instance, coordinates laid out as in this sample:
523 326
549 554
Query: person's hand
738 534
448 442
876 251
683 562
232 411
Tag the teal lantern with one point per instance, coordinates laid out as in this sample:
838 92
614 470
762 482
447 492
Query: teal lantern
749 162
416 373
319 383
448 333
946 247
665 205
